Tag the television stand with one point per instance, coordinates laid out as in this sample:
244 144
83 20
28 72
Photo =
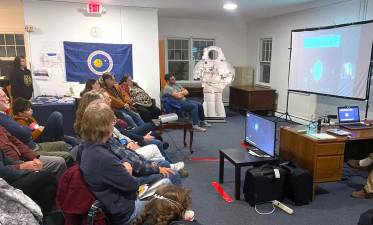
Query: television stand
239 158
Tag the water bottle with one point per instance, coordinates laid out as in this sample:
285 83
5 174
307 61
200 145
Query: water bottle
312 128
123 141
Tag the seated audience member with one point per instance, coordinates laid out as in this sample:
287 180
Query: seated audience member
169 203
40 186
118 103
177 92
139 99
367 191
150 152
50 150
109 179
142 157
53 130
140 134
91 85
16 150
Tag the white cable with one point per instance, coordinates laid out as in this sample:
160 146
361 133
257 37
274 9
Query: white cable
265 213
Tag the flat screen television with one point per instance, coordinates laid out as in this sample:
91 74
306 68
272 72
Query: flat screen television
260 133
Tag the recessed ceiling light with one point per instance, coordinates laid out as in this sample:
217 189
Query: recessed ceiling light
230 6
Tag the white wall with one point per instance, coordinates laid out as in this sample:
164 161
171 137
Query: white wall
279 28
140 27
56 22
230 36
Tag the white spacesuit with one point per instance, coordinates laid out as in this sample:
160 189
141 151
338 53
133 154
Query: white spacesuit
215 74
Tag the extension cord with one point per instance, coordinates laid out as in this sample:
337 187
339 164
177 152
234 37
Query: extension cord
283 207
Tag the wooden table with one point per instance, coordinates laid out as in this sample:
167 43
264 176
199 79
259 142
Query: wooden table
252 98
239 158
178 125
322 158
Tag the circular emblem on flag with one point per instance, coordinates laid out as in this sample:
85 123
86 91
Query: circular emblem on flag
100 62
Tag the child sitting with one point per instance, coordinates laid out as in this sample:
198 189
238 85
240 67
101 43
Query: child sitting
53 130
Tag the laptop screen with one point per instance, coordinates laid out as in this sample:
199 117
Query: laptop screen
261 133
348 114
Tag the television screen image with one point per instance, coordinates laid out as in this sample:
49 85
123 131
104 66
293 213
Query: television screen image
261 133
348 114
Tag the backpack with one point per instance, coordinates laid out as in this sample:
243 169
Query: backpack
76 201
298 184
262 185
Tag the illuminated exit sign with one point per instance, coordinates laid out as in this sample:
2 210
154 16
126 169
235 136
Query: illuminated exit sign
94 8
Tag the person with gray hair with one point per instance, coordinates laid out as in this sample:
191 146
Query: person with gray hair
20 137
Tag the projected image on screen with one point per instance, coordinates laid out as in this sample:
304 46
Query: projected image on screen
332 61
260 133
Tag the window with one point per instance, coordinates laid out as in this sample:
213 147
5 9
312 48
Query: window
265 60
178 58
181 56
12 45
198 46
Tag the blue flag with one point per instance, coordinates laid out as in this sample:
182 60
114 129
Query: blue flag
85 61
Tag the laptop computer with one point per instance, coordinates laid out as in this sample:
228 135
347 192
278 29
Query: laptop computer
260 135
349 118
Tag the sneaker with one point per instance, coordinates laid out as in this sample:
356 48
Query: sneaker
362 194
177 166
183 173
205 124
198 128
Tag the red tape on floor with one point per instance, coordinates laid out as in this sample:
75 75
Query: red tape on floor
221 192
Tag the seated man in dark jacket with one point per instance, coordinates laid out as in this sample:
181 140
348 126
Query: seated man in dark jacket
40 186
16 150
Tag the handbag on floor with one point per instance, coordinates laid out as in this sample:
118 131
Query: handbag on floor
298 184
264 183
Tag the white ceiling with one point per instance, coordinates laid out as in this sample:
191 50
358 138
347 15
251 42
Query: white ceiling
212 9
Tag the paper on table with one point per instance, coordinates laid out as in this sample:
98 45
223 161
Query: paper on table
322 136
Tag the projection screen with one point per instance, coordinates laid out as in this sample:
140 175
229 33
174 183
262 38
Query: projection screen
332 61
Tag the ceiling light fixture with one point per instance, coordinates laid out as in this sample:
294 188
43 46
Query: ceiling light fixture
230 6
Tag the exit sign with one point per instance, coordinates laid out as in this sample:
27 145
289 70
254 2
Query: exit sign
94 8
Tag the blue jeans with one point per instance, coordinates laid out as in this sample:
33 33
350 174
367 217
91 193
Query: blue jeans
53 130
175 178
149 179
73 141
159 144
135 116
132 118
142 129
195 109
